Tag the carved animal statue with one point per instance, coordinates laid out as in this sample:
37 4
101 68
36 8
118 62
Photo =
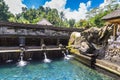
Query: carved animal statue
90 40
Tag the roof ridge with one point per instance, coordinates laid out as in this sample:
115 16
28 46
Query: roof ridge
114 14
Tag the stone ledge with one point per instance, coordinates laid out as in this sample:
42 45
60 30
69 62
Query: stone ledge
109 67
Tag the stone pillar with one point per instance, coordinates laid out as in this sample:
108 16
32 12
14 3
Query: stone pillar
58 41
42 41
4 42
114 31
22 41
118 29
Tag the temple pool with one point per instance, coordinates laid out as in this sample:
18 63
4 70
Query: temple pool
56 70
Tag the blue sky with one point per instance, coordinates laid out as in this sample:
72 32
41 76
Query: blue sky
72 9
73 4
36 3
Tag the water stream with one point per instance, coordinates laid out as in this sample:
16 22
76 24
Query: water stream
65 56
21 62
46 60
68 55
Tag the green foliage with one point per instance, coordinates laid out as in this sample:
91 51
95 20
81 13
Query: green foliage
12 19
4 14
53 16
82 23
71 22
97 21
22 20
33 16
30 15
95 15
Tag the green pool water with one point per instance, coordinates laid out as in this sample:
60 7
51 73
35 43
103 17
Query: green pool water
56 70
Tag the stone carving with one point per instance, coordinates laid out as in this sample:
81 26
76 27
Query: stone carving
92 40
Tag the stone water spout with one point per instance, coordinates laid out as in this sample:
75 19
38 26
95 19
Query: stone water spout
68 55
9 59
22 62
65 56
46 60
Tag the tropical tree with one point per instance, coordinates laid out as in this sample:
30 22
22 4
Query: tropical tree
71 22
4 13
24 9
82 23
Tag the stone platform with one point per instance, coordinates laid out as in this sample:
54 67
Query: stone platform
102 65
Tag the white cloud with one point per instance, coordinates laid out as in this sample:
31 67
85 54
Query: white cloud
104 4
15 6
107 2
33 6
57 4
88 3
78 14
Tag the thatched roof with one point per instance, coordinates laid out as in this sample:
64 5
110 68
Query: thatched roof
44 22
113 15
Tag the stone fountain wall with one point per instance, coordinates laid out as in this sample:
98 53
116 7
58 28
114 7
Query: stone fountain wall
15 57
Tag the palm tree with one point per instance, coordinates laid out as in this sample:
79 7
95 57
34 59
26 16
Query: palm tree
62 17
24 9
